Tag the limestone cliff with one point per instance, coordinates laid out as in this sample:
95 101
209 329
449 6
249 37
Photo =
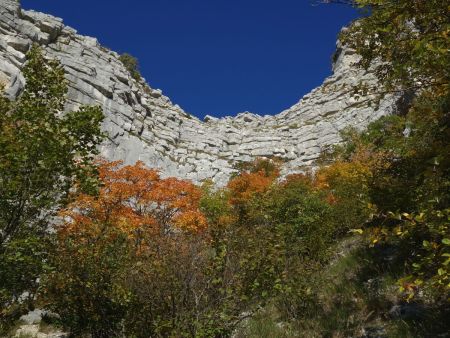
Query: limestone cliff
143 124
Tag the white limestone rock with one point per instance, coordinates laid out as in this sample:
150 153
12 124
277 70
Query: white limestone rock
143 124
33 331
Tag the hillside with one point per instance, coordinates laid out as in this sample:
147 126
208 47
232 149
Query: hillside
329 219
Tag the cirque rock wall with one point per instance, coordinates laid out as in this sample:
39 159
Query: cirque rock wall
143 124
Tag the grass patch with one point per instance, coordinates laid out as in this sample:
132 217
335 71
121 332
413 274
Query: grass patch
266 323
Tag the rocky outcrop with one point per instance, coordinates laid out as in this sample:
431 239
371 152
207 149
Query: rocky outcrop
143 124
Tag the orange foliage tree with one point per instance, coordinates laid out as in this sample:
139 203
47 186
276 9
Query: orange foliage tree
135 199
137 222
347 184
247 190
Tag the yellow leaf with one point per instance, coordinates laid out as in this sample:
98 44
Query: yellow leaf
356 231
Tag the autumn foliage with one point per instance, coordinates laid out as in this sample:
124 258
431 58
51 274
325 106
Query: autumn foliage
150 255
137 222
135 199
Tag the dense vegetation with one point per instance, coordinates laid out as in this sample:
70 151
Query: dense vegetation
360 247
411 193
42 156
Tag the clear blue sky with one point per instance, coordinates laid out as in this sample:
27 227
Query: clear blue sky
216 57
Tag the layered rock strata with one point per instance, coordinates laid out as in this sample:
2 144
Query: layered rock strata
143 124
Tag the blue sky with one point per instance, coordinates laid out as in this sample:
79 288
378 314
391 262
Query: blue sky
217 57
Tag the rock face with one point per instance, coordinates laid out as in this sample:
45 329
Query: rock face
143 124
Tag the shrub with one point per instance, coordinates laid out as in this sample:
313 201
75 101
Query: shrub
132 65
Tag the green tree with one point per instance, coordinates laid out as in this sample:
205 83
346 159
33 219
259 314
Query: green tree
44 153
406 43
409 37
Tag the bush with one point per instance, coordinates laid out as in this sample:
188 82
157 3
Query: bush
132 65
